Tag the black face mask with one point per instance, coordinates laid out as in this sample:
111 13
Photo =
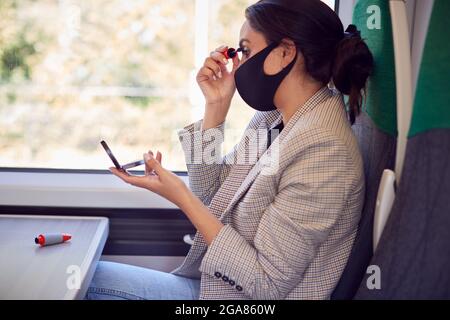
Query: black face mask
255 87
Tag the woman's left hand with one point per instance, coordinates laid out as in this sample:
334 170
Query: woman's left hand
157 179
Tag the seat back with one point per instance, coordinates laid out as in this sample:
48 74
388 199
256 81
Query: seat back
376 130
412 254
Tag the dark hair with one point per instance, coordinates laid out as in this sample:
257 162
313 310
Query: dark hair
318 33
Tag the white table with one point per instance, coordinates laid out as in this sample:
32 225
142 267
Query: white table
61 271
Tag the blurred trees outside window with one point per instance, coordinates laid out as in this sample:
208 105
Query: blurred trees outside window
74 72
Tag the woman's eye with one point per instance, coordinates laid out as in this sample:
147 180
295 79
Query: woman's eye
245 52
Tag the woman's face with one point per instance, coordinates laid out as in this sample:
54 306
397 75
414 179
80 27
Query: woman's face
251 42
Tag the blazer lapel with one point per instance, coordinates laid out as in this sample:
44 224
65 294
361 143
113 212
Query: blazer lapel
253 171
245 158
269 159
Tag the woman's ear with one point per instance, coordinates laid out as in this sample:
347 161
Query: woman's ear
280 57
288 52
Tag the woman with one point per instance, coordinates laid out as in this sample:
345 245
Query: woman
276 218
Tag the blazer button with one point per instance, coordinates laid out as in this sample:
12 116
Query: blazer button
232 283
225 278
238 288
218 274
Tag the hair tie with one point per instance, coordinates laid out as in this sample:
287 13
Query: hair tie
352 32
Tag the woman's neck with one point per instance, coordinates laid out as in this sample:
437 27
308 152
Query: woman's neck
293 94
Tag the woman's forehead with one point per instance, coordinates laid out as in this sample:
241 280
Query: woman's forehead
249 34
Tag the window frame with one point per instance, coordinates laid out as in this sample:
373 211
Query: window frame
141 222
85 188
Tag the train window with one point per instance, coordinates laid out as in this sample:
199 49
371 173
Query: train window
74 72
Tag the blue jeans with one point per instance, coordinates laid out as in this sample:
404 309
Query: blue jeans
116 281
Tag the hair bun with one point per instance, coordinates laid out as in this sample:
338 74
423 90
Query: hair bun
353 64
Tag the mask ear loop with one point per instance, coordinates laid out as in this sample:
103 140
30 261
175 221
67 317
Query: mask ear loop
274 45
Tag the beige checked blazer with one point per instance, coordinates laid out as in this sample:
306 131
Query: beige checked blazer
290 215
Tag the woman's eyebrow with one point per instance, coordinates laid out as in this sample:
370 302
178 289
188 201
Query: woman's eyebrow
241 42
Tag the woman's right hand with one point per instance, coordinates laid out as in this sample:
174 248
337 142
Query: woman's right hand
217 85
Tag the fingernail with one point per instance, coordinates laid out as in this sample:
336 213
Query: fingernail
225 60
214 78
220 74
145 156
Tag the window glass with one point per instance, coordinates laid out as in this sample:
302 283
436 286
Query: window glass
74 72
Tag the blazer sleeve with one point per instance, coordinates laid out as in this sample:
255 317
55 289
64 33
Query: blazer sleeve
311 195
206 167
